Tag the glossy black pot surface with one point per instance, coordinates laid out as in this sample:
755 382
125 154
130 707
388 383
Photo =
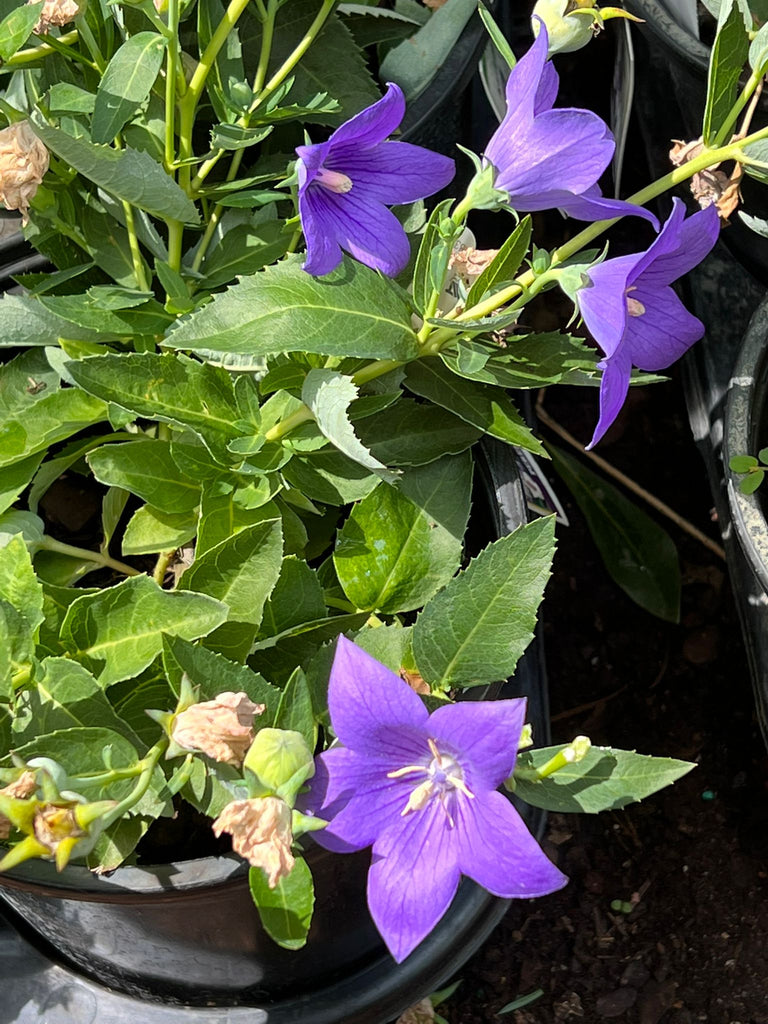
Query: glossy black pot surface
187 934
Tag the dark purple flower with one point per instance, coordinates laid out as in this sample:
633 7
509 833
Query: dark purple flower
634 315
346 184
421 789
552 159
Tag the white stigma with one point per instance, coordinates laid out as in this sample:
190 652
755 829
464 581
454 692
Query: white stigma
634 306
334 181
443 777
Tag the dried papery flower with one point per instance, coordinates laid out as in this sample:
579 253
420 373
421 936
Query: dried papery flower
55 12
261 834
21 788
222 728
422 1012
710 186
23 163
469 263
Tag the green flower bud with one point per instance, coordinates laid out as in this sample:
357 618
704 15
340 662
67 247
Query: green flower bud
281 761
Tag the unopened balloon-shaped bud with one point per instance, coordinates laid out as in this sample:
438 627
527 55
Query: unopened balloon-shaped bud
281 761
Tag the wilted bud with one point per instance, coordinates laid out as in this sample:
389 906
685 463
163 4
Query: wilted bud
469 263
261 834
221 728
22 787
55 12
23 163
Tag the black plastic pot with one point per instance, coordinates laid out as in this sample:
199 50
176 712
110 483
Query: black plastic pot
672 71
182 942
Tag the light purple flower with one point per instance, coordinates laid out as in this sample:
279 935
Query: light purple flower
346 184
634 315
552 159
421 789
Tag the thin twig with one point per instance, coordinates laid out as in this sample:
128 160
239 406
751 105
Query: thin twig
630 484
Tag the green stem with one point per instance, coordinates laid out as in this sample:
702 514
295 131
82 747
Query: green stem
302 415
175 240
149 763
133 242
50 544
89 39
291 61
266 46
726 129
161 566
43 50
171 71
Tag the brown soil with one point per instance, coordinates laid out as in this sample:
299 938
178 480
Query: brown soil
693 860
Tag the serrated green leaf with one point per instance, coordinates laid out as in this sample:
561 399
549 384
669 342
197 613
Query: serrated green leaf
214 674
423 269
240 571
128 174
19 585
150 531
66 98
638 553
413 434
146 468
56 416
488 409
297 597
330 477
295 710
606 779
328 394
396 550
505 263
126 84
246 249
117 632
85 312
24 322
475 630
284 309
729 53
277 656
286 909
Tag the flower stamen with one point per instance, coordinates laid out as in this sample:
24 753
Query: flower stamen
444 775
334 181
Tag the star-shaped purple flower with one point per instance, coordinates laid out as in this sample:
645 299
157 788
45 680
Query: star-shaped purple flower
347 183
552 159
634 315
421 789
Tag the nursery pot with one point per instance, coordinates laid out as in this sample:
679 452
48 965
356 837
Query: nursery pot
745 433
672 87
187 935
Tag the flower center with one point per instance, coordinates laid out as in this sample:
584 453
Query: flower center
334 181
634 306
443 777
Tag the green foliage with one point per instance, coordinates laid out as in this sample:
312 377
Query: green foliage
126 84
729 52
605 779
285 910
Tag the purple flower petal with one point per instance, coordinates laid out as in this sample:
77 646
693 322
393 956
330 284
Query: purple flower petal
546 92
375 123
371 233
413 878
680 246
394 172
323 250
613 391
593 205
486 733
603 302
657 338
513 866
368 703
522 90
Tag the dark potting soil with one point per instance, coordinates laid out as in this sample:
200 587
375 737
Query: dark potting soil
690 863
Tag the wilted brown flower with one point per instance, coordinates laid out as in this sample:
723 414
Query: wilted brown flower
55 12
422 1013
20 788
221 728
469 263
415 681
23 163
261 834
709 186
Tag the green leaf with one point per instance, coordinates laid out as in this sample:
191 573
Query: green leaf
66 98
422 273
245 249
16 28
504 265
413 64
150 531
55 417
475 630
605 780
295 711
374 25
412 433
751 483
241 571
146 468
126 83
333 64
85 312
726 63
330 477
171 388
15 478
118 631
284 309
529 362
128 174
277 656
52 469
228 65
391 645
638 553
56 601
214 674
393 554
24 322
742 463
286 910
115 844
297 597
234 136
19 585
328 394
488 409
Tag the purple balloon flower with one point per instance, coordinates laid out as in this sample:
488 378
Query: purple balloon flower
634 315
346 184
421 789
551 159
